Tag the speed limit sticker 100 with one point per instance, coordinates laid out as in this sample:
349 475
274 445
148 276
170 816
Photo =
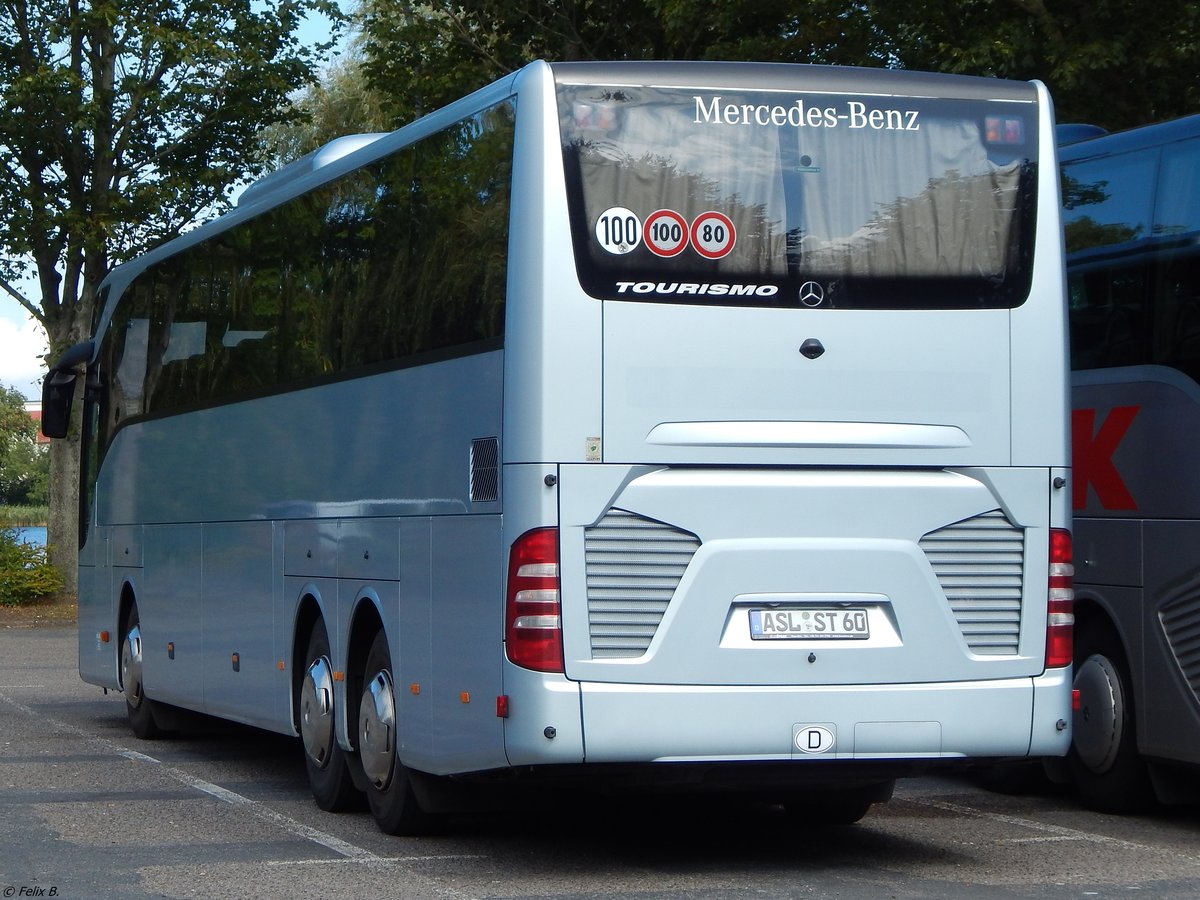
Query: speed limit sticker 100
666 233
619 230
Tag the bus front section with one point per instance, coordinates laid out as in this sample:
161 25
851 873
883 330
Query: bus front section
801 359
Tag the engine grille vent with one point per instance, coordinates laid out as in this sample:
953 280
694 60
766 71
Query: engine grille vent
1181 624
485 470
634 565
979 564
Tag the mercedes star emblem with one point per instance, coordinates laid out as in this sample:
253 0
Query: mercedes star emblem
812 294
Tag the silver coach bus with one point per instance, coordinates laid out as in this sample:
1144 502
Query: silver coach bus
692 425
1132 223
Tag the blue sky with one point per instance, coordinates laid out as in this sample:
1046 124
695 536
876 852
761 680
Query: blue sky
22 341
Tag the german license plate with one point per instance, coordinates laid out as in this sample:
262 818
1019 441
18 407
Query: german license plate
809 624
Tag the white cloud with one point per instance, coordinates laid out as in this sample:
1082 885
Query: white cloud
21 348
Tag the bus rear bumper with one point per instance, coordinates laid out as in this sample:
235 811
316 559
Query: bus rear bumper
982 719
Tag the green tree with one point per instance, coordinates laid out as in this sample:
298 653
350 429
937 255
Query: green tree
121 122
24 469
25 575
341 103
420 56
1114 63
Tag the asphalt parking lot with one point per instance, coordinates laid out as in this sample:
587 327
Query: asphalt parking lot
87 810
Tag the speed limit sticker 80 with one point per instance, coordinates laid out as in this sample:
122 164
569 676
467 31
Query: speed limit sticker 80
713 235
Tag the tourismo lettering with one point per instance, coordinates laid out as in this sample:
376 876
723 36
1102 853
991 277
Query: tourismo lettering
856 115
686 287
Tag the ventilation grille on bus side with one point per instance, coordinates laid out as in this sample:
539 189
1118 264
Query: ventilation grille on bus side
633 567
1181 623
485 470
979 564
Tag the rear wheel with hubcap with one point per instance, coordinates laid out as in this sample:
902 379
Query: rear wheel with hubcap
138 707
389 784
1103 760
328 775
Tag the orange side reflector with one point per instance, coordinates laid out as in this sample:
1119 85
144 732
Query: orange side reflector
414 689
464 697
103 637
339 676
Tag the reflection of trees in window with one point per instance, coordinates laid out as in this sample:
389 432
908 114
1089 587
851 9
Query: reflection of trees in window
1083 232
442 228
960 225
1076 193
401 258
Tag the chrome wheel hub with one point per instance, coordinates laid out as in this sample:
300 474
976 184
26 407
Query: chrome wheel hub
377 729
131 667
316 711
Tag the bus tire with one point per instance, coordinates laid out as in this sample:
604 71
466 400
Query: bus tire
390 791
324 760
138 707
1103 761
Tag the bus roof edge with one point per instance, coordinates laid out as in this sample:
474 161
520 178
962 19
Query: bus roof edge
310 162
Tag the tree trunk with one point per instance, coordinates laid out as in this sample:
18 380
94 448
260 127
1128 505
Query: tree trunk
66 329
62 529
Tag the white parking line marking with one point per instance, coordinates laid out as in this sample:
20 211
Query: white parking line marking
376 860
1050 832
337 845
299 829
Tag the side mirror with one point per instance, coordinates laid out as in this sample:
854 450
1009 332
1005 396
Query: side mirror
58 390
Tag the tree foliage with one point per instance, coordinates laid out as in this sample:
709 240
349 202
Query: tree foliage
1115 63
24 466
25 574
420 56
340 103
122 122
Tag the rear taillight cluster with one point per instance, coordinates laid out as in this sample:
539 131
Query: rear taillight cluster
533 611
1060 615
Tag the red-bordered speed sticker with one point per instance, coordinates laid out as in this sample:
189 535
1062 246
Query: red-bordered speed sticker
665 232
713 235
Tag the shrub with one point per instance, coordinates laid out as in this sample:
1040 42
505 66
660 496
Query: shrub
17 516
25 574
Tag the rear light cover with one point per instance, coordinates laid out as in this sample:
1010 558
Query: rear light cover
533 612
1060 615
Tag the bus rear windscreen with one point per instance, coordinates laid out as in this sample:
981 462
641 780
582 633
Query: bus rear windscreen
799 199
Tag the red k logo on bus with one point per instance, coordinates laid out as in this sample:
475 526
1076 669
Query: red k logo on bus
1093 457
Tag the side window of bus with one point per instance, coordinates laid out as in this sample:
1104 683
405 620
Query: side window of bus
403 257
1110 302
1177 232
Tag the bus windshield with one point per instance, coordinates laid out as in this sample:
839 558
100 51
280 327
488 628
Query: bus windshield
799 199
